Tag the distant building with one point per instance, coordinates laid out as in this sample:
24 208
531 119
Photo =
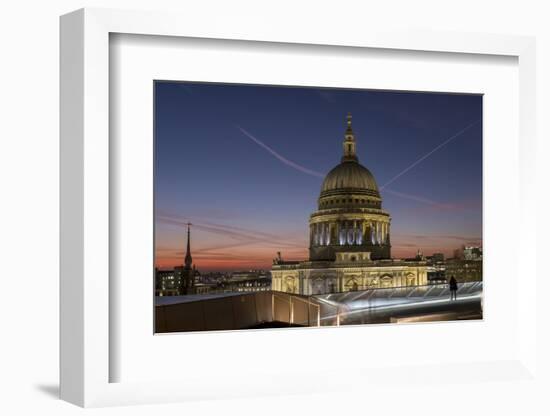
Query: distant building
181 280
436 269
212 277
203 288
166 283
436 274
249 281
187 281
180 272
420 256
438 258
459 253
464 270
473 253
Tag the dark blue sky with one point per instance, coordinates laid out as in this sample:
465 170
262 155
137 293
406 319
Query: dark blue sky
247 203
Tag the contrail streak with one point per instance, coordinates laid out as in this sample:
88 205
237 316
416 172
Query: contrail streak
280 157
322 175
429 153
419 199
241 235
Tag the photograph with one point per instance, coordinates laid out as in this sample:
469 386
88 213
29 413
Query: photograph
306 207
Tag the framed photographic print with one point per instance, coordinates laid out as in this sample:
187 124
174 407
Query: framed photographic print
281 212
260 152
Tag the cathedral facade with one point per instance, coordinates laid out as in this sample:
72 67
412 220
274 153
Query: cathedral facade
349 247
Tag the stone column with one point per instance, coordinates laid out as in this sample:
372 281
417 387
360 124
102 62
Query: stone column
346 232
317 234
368 237
370 233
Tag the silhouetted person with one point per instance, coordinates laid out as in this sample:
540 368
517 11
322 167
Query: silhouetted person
453 287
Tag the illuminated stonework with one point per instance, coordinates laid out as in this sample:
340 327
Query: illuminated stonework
350 245
349 217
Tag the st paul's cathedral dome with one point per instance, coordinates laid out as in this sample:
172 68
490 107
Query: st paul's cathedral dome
349 217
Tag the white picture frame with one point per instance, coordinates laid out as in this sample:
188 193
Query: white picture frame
85 211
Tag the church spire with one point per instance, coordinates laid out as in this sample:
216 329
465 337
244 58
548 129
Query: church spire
188 258
349 143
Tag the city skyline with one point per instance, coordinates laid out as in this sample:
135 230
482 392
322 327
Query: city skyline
245 164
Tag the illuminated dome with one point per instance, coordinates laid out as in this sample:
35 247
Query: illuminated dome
349 176
349 217
349 184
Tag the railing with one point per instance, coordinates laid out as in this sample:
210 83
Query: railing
236 311
294 318
407 292
371 305
254 309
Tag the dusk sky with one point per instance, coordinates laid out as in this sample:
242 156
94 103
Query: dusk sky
245 165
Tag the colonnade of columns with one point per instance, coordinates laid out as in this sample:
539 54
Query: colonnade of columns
349 232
